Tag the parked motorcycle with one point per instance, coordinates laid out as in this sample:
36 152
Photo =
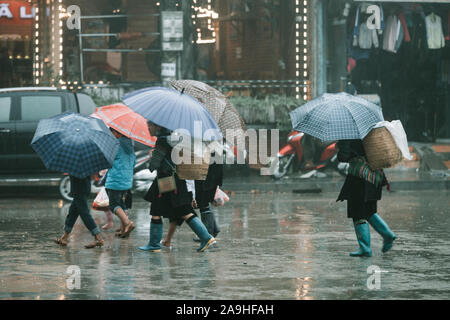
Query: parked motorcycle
291 157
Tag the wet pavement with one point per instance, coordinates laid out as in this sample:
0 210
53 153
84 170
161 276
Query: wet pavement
272 246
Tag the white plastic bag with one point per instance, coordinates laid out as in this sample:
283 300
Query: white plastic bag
220 198
395 127
101 201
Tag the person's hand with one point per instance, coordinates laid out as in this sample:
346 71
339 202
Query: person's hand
194 204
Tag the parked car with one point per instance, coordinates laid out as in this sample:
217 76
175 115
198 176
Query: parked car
20 111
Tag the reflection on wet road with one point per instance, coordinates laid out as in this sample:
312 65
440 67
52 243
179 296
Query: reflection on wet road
272 246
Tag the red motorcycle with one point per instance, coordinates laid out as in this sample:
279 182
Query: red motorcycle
292 157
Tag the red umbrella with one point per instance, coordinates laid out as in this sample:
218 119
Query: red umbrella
127 122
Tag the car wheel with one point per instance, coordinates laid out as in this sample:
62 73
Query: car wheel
64 188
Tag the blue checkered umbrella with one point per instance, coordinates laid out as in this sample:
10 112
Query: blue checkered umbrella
75 144
339 116
173 110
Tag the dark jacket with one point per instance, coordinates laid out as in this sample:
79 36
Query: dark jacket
355 188
165 167
79 186
205 191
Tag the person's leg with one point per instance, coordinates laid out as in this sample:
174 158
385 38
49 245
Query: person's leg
209 220
200 230
127 224
363 236
156 230
109 220
71 218
89 222
119 230
170 232
383 229
117 207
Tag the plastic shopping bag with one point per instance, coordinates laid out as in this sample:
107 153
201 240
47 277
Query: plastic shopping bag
101 201
220 198
395 127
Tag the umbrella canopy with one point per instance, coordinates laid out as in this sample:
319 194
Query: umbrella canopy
339 116
221 109
173 110
127 122
75 144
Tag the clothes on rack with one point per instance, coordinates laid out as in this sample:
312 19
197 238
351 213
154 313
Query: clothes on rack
435 35
393 34
362 35
447 33
401 17
367 38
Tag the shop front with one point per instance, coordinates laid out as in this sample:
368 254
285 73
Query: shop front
399 51
16 49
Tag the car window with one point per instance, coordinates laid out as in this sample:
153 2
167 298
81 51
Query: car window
34 108
5 109
87 106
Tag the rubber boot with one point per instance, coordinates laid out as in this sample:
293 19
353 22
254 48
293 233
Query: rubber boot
209 220
156 231
362 231
200 230
382 228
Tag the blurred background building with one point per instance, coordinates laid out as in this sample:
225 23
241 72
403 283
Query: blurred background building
250 48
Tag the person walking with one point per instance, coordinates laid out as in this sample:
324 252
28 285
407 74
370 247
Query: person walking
362 189
80 190
204 196
169 196
119 179
205 190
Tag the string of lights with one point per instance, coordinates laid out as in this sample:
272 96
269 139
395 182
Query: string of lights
301 47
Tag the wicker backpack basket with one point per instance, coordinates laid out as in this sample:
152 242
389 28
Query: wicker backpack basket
196 170
381 149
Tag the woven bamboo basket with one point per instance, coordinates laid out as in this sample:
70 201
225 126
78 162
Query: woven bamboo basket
196 170
381 149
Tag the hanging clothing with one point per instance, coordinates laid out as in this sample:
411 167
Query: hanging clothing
400 35
401 17
447 34
435 35
393 34
418 31
367 38
361 9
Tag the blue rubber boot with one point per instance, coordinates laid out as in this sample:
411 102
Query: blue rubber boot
209 220
156 231
200 230
382 228
362 231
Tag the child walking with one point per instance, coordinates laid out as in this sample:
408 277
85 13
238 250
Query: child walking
80 190
119 179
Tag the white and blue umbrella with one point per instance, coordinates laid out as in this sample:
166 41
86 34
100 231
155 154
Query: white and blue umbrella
338 116
75 144
173 110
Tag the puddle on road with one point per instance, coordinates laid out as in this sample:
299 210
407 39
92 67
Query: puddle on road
272 246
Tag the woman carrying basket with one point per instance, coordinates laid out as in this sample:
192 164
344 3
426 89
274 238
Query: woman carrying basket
362 190
205 190
169 195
